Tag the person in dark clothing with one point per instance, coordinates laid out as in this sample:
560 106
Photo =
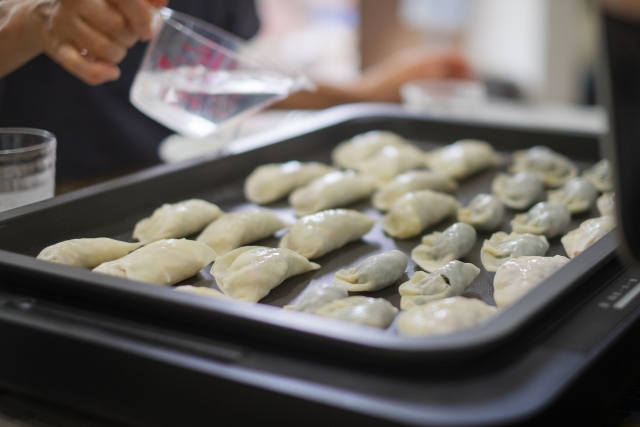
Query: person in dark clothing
98 130
101 134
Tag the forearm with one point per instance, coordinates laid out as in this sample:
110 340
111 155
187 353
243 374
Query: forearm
19 33
324 97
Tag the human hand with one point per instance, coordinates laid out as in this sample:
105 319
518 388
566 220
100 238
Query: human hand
382 82
89 37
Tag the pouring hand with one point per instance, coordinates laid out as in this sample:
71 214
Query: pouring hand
89 37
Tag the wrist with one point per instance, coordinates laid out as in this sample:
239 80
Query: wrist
21 35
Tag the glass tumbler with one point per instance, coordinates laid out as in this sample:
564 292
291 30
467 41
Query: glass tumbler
27 166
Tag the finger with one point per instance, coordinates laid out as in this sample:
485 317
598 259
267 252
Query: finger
92 73
107 19
138 15
97 43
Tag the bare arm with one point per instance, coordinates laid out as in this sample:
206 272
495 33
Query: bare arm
381 83
86 37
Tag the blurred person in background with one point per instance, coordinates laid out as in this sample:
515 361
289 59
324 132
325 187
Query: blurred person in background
100 133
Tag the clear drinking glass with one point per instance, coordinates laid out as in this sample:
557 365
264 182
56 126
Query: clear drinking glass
27 166
197 79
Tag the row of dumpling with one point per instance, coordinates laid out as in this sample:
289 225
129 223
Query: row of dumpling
242 272
431 302
376 163
162 256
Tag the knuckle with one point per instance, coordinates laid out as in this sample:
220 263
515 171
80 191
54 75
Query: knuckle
101 47
116 23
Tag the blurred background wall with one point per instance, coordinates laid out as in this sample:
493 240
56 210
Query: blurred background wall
534 50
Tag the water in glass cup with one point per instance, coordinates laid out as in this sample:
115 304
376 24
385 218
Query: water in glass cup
195 101
197 79
27 166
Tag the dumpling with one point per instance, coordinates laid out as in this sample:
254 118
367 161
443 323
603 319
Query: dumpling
578 194
438 249
581 238
351 153
87 253
332 190
165 262
484 212
463 158
201 290
237 229
600 175
268 183
391 161
318 296
410 181
375 312
444 317
416 211
519 275
447 281
555 168
374 273
315 235
177 220
502 246
250 272
607 204
518 191
548 218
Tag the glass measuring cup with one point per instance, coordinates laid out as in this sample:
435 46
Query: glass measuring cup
197 79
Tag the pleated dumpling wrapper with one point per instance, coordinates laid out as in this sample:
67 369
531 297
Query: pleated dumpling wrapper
547 218
444 316
315 235
391 161
268 183
607 204
165 262
438 249
463 158
578 194
416 211
447 281
177 220
485 212
332 190
237 229
250 272
519 275
576 241
502 246
554 168
374 273
87 253
201 290
350 153
518 191
318 296
375 312
600 175
410 181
